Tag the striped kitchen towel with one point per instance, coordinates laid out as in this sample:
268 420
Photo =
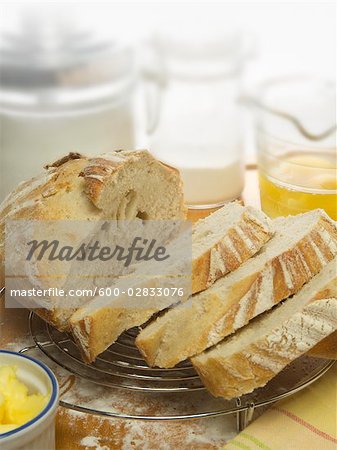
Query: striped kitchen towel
305 421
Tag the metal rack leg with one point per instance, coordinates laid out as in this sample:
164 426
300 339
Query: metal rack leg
250 412
239 416
244 417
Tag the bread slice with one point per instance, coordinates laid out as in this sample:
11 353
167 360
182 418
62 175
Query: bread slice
327 348
259 351
219 244
300 247
96 326
224 240
117 185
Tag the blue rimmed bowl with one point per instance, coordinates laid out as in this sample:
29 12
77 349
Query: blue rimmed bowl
38 433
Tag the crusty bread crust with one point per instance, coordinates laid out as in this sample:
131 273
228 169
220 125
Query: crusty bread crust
56 194
258 362
230 251
63 160
326 349
94 335
183 333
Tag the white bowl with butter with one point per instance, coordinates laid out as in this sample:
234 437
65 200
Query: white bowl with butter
27 388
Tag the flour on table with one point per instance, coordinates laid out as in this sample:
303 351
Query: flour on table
19 344
93 442
210 433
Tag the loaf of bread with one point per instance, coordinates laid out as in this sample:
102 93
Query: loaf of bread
300 247
259 351
117 185
220 243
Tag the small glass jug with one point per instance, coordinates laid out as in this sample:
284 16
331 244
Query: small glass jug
194 114
296 143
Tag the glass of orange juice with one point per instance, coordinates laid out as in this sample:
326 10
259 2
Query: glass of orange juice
296 141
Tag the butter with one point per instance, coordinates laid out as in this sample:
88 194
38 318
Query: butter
17 406
2 407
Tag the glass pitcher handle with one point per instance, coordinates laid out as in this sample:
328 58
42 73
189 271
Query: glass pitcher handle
253 101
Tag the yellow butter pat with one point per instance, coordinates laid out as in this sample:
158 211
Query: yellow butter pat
17 405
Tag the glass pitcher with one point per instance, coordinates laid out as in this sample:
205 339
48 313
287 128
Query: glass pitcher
194 116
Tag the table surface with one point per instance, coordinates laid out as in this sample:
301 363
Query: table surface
83 431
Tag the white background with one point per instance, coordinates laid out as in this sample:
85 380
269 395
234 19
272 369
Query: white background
290 37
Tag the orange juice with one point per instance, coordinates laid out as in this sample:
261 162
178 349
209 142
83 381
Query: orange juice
298 182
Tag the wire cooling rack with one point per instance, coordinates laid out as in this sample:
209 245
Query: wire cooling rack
122 367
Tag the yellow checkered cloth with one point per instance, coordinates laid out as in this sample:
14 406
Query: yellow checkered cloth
305 421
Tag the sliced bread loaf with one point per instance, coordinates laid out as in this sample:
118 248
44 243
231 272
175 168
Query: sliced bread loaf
259 351
220 243
224 240
300 247
117 185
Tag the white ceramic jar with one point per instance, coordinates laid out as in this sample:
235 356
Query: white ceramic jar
62 89
38 433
